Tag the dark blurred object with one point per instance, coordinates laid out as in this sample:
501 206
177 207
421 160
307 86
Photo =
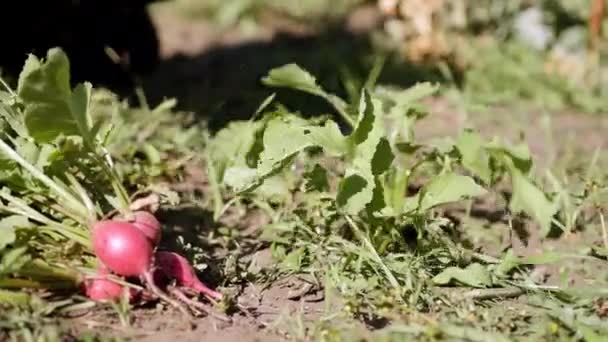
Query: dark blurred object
84 29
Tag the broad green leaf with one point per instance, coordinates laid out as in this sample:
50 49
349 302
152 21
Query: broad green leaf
383 157
47 120
474 275
282 139
407 147
316 179
292 76
285 137
238 177
255 149
79 102
274 189
369 156
260 178
528 198
45 81
474 157
518 155
448 188
356 190
329 138
231 145
378 202
354 193
51 108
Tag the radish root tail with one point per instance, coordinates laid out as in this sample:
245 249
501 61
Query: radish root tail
179 294
159 293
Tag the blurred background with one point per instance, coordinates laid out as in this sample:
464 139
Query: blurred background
210 54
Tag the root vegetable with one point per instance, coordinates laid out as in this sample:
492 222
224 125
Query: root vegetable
148 225
101 289
122 247
125 249
176 266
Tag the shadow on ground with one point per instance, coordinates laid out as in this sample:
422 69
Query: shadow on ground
224 83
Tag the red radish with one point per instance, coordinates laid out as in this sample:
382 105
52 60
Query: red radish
148 225
122 248
178 267
102 289
126 251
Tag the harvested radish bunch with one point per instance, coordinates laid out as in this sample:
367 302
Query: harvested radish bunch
176 266
127 251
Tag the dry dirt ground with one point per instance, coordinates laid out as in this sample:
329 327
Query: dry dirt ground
213 72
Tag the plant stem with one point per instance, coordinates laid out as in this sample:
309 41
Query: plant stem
19 207
481 257
340 106
69 198
218 202
365 241
223 209
119 189
483 294
6 86
69 234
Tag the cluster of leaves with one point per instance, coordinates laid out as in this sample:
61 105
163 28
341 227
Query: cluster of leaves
148 145
340 197
69 157
52 162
